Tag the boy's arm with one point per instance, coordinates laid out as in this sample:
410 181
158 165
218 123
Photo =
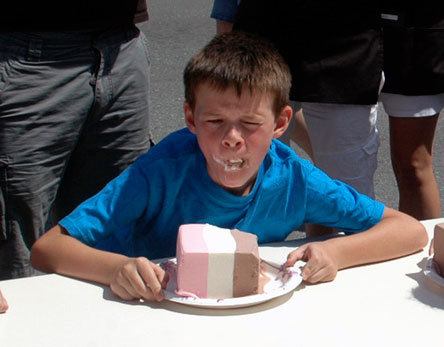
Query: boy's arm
129 278
396 235
223 27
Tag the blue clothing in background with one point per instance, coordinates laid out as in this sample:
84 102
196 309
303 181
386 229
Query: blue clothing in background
139 212
224 10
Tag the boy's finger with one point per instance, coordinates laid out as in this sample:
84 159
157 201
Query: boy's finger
134 284
307 271
135 279
311 267
143 289
125 283
162 275
293 257
320 275
145 268
121 292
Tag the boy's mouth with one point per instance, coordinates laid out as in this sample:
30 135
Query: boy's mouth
234 164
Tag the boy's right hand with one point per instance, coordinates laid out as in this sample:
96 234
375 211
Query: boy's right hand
3 303
138 278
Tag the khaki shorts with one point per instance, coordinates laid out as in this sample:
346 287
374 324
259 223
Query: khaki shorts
344 141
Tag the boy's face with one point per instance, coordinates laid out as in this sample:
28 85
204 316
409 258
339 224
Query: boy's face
234 133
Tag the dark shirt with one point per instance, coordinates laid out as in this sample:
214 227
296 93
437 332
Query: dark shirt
58 15
414 13
413 46
333 48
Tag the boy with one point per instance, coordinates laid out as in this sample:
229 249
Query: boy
224 169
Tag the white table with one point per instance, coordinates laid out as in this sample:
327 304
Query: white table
385 304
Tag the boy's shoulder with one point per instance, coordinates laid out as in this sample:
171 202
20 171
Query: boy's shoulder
286 155
287 163
175 145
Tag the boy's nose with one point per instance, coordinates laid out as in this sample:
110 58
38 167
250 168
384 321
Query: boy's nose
233 138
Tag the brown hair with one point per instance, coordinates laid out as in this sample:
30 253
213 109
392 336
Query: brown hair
239 60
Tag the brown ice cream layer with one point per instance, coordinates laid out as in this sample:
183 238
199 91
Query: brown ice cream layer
246 264
438 246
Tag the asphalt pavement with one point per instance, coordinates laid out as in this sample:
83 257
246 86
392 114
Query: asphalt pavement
179 28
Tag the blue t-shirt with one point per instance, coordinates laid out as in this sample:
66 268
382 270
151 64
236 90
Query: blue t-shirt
139 212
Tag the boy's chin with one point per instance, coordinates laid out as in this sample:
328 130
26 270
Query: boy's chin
234 182
238 187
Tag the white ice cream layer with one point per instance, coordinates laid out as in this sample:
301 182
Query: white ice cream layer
221 249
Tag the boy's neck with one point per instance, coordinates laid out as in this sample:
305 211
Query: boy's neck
243 190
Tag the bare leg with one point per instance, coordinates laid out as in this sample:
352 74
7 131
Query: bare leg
300 133
297 132
411 143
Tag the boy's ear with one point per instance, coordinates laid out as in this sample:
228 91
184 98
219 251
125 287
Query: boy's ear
189 117
283 121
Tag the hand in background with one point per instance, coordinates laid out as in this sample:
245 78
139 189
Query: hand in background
3 303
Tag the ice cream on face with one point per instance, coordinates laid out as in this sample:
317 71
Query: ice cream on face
235 164
216 263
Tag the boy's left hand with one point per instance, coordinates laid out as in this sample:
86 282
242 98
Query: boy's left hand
321 265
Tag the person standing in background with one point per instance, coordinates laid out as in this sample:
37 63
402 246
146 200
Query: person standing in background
335 51
413 96
73 111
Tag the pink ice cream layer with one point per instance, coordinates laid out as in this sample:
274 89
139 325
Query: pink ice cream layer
192 281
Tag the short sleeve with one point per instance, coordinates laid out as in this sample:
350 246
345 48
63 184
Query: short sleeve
224 10
115 209
334 203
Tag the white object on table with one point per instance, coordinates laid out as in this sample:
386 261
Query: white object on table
386 304
280 282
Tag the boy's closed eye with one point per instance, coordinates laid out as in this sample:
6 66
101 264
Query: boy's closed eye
252 123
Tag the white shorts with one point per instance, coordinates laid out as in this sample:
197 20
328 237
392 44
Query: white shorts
345 142
397 105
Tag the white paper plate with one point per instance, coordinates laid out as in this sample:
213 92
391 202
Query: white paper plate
431 273
281 283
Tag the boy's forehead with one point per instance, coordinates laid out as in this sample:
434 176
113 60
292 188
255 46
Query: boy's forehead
214 99
231 93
